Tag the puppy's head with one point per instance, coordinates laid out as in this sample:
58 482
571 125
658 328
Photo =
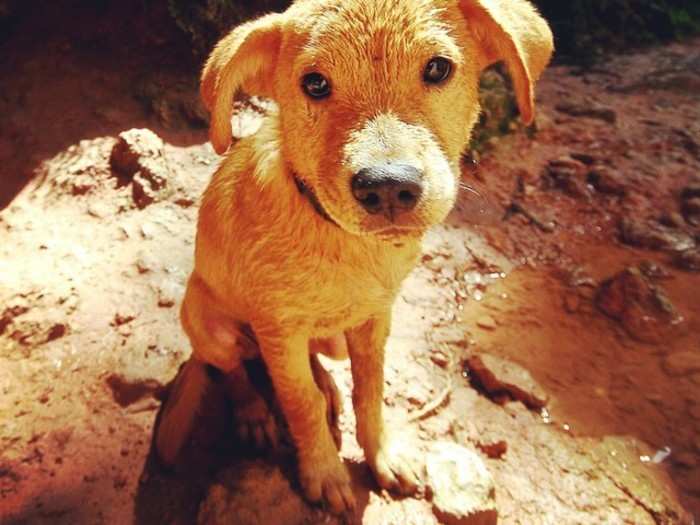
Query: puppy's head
377 98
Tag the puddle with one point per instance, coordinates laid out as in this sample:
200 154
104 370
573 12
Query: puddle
601 382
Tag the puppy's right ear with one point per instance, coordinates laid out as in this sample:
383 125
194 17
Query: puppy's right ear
245 58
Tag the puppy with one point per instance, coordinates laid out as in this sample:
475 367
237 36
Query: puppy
310 225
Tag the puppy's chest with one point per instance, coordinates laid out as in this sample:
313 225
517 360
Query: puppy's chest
337 296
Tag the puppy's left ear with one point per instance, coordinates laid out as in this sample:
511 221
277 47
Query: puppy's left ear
244 59
512 31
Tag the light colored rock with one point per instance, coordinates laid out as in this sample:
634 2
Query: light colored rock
463 490
139 157
682 363
487 322
498 377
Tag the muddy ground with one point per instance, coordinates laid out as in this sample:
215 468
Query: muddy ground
577 290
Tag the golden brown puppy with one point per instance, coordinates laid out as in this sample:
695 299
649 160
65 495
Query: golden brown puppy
309 226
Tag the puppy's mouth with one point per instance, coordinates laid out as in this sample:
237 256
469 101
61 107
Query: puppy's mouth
393 231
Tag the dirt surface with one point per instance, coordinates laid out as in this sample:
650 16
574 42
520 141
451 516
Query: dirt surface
574 290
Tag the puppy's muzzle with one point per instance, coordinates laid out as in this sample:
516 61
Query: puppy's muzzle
389 189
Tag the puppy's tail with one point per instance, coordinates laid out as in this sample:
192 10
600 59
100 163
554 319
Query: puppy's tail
180 409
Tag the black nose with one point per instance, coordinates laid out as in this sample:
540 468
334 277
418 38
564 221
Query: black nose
391 189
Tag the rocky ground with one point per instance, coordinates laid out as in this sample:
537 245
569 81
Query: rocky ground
555 336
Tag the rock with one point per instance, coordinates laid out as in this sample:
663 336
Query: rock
143 191
494 450
672 219
642 308
56 331
691 191
500 378
127 391
169 293
688 260
253 493
586 158
19 305
606 180
122 318
568 175
691 210
654 236
653 270
462 488
487 322
99 210
587 109
139 157
679 364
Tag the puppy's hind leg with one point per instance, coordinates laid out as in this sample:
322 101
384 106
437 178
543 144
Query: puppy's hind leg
213 343
177 417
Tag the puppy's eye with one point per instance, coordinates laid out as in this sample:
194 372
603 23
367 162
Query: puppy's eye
316 85
437 70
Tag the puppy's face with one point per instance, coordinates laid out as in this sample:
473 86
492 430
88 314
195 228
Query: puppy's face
377 100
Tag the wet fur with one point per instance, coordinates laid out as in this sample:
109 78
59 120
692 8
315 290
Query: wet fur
266 259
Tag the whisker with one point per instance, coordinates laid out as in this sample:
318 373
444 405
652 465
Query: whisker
470 189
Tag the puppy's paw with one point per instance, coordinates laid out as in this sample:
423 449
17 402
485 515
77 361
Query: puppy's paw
255 425
327 480
395 466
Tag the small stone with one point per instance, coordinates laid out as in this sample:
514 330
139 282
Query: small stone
605 180
680 364
148 230
122 318
672 219
502 379
487 322
691 191
494 450
587 109
57 331
144 264
168 294
142 191
641 307
688 260
567 175
653 270
586 158
463 490
691 210
98 209
654 236
439 358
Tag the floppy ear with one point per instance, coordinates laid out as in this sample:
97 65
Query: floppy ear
245 58
512 31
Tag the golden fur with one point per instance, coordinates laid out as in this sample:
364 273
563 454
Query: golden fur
266 259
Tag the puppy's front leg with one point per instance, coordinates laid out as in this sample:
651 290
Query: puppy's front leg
389 456
321 472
